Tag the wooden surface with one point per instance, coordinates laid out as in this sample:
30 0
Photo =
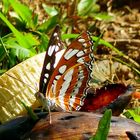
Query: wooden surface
79 126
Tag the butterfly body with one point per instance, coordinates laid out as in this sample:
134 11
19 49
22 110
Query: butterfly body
65 84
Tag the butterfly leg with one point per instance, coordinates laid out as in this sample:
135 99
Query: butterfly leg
44 102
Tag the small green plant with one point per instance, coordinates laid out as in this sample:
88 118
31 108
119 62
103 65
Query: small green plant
90 8
103 127
30 112
133 114
19 36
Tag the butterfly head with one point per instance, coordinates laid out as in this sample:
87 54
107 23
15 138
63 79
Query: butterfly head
45 102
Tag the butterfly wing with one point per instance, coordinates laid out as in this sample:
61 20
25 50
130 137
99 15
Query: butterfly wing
54 46
68 83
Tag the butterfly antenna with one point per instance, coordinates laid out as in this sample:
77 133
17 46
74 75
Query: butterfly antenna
21 81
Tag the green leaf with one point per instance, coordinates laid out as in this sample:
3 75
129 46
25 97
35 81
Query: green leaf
51 11
5 6
5 51
103 16
103 127
30 112
97 42
22 53
14 51
49 24
44 43
2 53
35 20
32 39
69 36
86 7
23 11
135 114
17 51
19 36
9 40
13 60
2 71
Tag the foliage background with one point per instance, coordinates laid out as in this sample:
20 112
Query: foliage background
26 27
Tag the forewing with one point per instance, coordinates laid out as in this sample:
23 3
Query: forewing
54 46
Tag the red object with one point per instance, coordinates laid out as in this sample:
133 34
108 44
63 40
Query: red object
136 95
114 96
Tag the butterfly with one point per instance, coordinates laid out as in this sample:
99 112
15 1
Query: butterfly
64 83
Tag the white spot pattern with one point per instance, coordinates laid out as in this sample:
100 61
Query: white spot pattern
56 48
54 85
48 67
65 86
78 108
45 80
66 83
46 75
54 82
81 40
58 57
72 101
77 86
70 53
79 83
76 90
55 34
80 53
68 74
85 44
80 60
51 50
62 69
59 44
57 77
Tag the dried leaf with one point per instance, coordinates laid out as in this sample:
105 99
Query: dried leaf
20 85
